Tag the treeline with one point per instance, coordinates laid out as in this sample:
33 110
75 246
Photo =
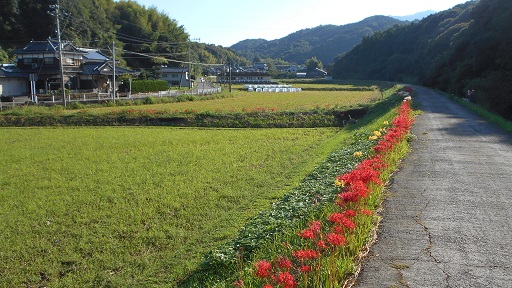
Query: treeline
464 48
144 37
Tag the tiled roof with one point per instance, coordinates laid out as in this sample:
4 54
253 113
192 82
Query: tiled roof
10 70
46 46
94 55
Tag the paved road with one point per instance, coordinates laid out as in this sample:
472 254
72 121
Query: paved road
448 220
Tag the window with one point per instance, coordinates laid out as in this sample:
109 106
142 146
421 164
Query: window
27 61
48 61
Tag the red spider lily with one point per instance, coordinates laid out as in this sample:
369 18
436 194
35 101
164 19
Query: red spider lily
336 239
347 223
286 279
366 212
284 263
337 229
268 286
305 254
348 197
307 234
305 269
360 188
263 269
383 146
320 244
336 217
349 213
366 172
315 226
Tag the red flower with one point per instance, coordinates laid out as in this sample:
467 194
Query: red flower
305 254
347 223
349 197
315 226
335 239
284 263
366 212
268 286
264 269
321 244
349 213
305 269
286 279
307 234
336 217
337 229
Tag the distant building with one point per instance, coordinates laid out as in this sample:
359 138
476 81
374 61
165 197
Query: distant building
176 76
260 66
245 77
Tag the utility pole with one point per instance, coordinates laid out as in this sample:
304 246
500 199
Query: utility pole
229 76
114 73
190 63
189 67
56 13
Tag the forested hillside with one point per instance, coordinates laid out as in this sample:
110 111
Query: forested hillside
323 42
466 47
144 36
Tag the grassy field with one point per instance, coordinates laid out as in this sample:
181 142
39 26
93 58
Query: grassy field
136 207
243 101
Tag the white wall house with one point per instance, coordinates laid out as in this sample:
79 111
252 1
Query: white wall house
13 82
175 76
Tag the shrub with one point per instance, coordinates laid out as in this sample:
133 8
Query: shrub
144 86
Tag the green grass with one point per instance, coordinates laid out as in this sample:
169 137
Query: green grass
263 236
137 207
484 113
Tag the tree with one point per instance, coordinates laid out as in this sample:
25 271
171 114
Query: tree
313 63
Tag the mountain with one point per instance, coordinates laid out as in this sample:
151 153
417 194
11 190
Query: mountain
324 42
415 16
460 49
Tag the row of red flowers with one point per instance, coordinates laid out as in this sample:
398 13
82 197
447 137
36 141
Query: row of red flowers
332 237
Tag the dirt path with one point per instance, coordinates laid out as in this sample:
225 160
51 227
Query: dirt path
448 220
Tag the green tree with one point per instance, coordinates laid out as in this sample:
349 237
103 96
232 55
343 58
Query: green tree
313 63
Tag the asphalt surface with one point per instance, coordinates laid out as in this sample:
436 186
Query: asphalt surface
448 219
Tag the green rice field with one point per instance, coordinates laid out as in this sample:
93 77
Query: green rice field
137 207
300 101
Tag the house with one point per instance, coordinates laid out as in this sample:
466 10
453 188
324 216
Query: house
245 77
13 81
176 76
86 70
259 66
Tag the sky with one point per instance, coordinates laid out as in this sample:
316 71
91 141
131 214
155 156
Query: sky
227 22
